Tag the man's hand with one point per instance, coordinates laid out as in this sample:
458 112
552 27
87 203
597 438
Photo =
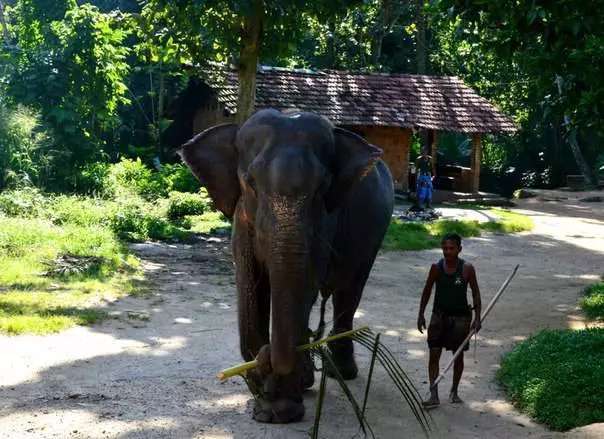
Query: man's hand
421 323
476 325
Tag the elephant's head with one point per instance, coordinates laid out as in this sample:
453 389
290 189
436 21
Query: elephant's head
281 174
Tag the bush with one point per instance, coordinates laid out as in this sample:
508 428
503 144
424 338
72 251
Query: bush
25 153
133 177
26 203
136 220
557 377
81 211
592 302
94 179
183 203
179 178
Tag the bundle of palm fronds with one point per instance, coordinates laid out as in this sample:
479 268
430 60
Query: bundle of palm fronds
366 338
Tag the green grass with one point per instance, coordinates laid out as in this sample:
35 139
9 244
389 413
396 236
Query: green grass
592 302
63 257
403 235
557 377
209 222
56 276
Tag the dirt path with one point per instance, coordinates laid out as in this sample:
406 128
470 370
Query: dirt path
135 378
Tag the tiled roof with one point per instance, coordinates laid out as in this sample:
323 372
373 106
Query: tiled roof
372 99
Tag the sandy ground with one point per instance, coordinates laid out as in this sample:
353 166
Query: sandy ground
132 377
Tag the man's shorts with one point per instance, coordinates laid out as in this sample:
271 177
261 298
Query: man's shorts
448 331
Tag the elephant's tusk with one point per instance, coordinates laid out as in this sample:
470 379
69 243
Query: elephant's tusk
238 370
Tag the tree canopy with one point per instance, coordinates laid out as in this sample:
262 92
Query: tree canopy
100 74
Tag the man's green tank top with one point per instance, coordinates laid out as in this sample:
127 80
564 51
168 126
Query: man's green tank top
451 290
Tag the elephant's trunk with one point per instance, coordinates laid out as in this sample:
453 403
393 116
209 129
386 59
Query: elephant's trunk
290 282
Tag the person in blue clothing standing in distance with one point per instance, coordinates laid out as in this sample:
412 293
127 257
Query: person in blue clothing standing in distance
423 185
451 318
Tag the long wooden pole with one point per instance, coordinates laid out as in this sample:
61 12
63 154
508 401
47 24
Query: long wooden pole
469 336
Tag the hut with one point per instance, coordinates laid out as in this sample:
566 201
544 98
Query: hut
384 108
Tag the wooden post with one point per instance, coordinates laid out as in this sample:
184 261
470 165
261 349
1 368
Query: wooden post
406 148
475 162
433 151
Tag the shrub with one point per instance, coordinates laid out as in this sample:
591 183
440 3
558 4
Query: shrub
27 203
184 203
133 177
136 220
593 301
81 211
25 154
94 179
177 177
557 377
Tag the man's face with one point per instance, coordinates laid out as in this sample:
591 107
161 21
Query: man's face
450 249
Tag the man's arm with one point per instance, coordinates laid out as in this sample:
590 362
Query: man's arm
475 297
421 321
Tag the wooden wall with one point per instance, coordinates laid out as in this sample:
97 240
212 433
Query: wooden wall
209 115
396 143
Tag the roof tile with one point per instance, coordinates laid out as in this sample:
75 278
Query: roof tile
382 99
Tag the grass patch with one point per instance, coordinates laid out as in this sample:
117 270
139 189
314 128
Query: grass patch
592 303
404 235
36 297
557 377
209 222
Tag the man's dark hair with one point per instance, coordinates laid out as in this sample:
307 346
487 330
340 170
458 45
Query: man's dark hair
452 237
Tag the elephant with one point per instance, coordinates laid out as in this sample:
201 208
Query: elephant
310 204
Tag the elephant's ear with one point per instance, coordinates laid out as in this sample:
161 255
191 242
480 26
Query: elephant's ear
354 159
212 157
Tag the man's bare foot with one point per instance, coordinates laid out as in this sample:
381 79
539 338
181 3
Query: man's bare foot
431 403
454 398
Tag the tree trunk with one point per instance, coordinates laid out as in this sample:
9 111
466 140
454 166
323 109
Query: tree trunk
577 154
331 43
248 61
160 111
4 25
421 38
572 141
390 12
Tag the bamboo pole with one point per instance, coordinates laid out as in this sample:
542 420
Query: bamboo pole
239 369
484 315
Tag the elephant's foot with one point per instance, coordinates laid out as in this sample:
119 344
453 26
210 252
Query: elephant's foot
279 411
342 353
279 399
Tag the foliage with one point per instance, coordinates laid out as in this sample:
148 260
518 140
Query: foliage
402 235
26 154
181 204
26 203
557 48
74 57
592 302
557 377
133 177
62 256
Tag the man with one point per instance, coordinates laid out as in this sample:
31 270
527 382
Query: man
451 313
423 185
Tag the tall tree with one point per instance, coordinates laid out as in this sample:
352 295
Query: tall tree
242 31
